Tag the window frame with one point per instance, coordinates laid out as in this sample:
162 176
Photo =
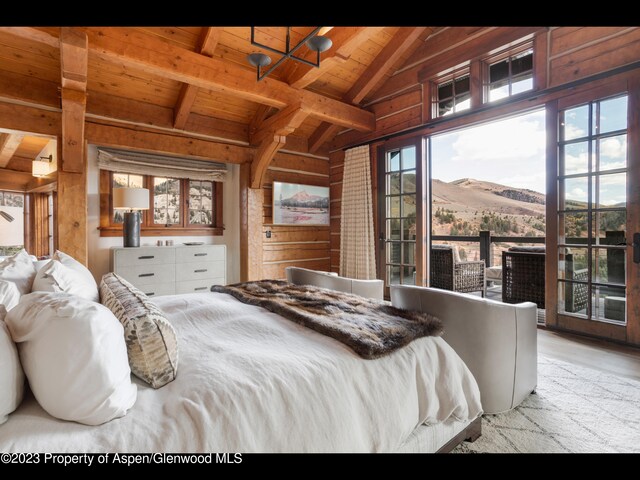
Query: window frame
501 55
453 76
149 229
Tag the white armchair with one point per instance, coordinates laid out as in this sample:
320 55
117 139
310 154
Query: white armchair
497 341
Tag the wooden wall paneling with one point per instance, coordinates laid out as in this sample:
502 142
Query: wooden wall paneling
594 57
566 39
336 163
633 211
40 222
163 142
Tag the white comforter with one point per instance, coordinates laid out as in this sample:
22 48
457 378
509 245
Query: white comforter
251 381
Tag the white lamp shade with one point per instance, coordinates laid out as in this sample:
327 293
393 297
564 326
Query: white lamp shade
39 168
131 198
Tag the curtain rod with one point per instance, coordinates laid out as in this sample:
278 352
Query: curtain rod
488 107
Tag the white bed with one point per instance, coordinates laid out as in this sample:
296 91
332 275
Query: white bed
252 381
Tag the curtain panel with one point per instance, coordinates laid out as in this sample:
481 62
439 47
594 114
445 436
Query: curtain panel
357 244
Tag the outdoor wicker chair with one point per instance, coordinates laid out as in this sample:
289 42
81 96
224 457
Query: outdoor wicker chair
449 273
523 275
576 296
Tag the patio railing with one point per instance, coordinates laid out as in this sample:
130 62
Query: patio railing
485 239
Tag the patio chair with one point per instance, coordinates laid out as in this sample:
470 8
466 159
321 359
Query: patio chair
523 275
448 272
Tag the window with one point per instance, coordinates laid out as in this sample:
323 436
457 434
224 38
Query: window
592 214
453 95
120 180
11 222
511 75
177 206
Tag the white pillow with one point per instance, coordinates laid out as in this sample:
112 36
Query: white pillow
11 375
55 277
74 354
20 270
83 272
9 294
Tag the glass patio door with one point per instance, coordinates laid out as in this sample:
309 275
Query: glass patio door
594 185
400 213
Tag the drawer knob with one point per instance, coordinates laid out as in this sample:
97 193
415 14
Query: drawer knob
200 254
200 288
202 270
150 294
146 257
146 275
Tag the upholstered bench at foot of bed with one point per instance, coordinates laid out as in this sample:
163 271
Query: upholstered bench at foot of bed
373 289
497 341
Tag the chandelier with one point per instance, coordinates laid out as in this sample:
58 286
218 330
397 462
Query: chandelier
315 43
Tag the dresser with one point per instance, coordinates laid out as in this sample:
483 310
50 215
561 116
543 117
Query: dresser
171 270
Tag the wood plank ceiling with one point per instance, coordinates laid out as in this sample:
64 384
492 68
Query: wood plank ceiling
153 95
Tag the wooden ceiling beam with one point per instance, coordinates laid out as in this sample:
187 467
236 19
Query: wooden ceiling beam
384 61
345 41
189 92
140 51
9 143
258 118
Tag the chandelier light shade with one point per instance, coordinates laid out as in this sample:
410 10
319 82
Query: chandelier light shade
133 200
313 41
319 44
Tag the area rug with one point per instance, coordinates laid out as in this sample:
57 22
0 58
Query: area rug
575 410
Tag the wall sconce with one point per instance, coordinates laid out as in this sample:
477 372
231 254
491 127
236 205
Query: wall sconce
42 168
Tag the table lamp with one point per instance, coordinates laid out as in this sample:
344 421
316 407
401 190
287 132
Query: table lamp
133 200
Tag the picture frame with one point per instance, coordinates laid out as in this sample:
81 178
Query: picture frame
299 204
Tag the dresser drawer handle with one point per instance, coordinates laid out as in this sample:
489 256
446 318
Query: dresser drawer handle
146 257
200 254
202 270
150 294
200 288
146 275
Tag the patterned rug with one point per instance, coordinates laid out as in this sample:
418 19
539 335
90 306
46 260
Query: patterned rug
576 409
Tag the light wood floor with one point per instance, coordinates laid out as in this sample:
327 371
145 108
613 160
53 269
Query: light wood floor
599 354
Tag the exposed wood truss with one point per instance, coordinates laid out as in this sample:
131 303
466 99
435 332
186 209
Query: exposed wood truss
188 92
136 50
9 143
271 137
385 60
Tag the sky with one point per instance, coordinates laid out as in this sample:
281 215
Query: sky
510 152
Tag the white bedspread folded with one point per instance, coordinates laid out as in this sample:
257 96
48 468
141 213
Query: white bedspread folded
252 381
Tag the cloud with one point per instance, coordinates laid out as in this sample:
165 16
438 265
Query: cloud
514 140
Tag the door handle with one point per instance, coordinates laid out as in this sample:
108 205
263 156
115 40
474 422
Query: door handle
636 247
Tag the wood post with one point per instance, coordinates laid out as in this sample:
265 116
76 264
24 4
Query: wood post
485 247
72 171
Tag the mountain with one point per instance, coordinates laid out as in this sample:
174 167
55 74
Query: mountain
466 206
302 197
305 200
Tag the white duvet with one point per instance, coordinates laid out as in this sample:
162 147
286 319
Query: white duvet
251 381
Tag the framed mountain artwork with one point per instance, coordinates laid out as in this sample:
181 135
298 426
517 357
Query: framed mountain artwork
296 204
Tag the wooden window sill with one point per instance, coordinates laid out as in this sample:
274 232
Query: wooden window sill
164 231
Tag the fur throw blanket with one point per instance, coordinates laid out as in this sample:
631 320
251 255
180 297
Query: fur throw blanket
370 328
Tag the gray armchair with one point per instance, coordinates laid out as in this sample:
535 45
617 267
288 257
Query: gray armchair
450 273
